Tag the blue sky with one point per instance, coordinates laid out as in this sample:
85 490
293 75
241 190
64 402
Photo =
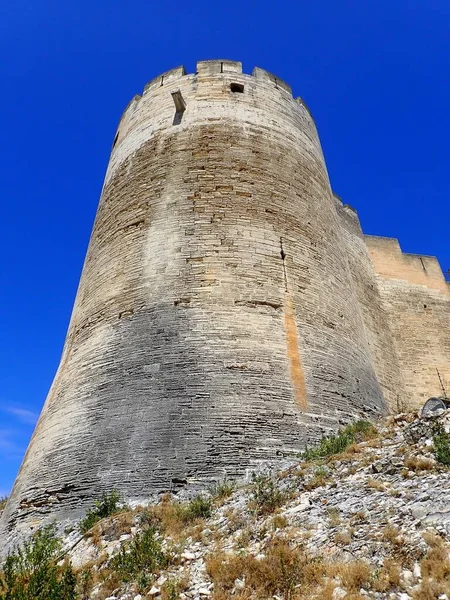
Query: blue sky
375 74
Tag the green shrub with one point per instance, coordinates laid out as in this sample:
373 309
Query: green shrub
32 573
108 505
441 443
335 444
198 508
3 501
266 494
141 556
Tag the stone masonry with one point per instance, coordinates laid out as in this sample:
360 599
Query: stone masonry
230 310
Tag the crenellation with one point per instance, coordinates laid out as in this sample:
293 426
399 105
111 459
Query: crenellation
211 67
164 78
264 75
229 306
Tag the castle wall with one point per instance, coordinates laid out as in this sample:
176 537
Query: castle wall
376 321
416 298
216 324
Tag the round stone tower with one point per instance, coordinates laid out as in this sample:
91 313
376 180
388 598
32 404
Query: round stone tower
216 325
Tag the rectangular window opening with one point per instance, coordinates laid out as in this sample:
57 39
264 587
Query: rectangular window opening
237 88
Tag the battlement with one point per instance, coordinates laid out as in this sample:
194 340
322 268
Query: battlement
216 67
179 98
390 262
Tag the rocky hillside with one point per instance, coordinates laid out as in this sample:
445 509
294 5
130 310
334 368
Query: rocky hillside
365 515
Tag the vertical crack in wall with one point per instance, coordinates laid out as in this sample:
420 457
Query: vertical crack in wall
292 347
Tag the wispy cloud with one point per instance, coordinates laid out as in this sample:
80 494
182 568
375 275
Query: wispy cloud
21 414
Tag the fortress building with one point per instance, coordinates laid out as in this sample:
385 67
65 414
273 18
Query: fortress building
230 309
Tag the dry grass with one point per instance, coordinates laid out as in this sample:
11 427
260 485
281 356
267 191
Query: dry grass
392 535
175 519
354 575
236 520
319 480
388 577
111 528
436 564
281 572
430 590
279 522
419 463
172 588
435 570
359 517
110 583
286 572
342 538
244 538
376 484
334 515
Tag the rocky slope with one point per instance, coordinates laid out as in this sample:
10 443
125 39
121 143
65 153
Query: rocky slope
370 522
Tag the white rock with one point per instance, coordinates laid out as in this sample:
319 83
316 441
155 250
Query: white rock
239 584
404 596
416 571
406 577
138 597
154 591
338 593
187 555
304 505
204 592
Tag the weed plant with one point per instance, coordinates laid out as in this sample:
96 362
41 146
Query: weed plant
441 445
266 494
31 572
142 557
108 505
335 444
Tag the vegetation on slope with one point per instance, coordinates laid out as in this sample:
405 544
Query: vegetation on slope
255 542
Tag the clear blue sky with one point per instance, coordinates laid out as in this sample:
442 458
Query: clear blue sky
375 74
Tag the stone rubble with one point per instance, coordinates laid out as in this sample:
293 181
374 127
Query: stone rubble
366 504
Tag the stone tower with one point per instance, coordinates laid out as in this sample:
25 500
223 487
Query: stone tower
218 321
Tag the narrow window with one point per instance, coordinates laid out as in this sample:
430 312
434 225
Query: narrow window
180 107
237 88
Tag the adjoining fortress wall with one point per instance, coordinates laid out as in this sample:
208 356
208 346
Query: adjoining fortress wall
376 321
216 325
416 298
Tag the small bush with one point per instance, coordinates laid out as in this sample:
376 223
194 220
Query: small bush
31 571
105 507
441 443
335 444
266 494
3 501
172 588
198 508
141 556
